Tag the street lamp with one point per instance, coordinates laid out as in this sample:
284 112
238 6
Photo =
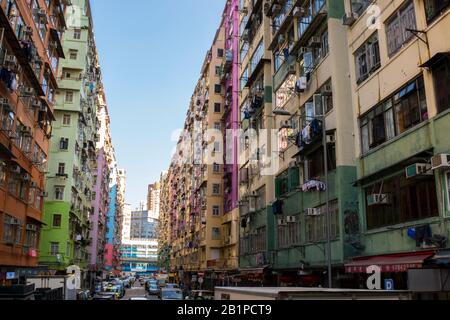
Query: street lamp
322 117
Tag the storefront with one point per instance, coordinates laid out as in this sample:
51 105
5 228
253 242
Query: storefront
393 268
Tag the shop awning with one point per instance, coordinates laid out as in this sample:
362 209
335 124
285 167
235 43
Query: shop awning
246 271
441 258
438 57
400 262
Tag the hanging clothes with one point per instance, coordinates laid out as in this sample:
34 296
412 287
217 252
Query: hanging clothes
314 185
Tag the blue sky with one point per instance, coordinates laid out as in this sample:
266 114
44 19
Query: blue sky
151 53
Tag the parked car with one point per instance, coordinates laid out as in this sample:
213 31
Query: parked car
171 294
104 296
84 295
200 295
153 289
172 285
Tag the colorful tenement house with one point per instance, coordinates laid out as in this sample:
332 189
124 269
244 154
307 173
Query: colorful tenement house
360 163
66 238
30 48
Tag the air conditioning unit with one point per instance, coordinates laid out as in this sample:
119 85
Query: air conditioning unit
26 131
245 35
291 219
292 69
378 199
43 194
282 222
313 212
440 161
327 90
27 91
315 42
16 169
36 103
349 18
10 59
299 12
254 194
418 169
4 102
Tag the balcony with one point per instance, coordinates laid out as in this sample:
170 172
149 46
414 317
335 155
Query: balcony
19 52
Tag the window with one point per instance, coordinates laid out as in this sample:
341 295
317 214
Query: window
216 167
407 200
395 115
217 146
77 34
396 27
360 6
243 80
216 233
73 54
64 144
32 232
218 70
59 193
61 169
217 126
441 77
68 249
257 56
56 221
367 58
217 88
434 8
216 211
220 53
12 230
66 120
217 107
2 172
54 248
69 97
316 226
289 234
216 189
314 166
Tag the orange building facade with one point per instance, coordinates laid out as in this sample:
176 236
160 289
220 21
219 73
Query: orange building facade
30 49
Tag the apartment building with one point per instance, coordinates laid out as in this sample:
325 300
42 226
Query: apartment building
100 195
65 239
153 198
400 71
30 49
342 148
164 225
255 110
313 175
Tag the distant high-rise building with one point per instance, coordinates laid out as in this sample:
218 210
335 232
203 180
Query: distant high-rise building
153 197
143 226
